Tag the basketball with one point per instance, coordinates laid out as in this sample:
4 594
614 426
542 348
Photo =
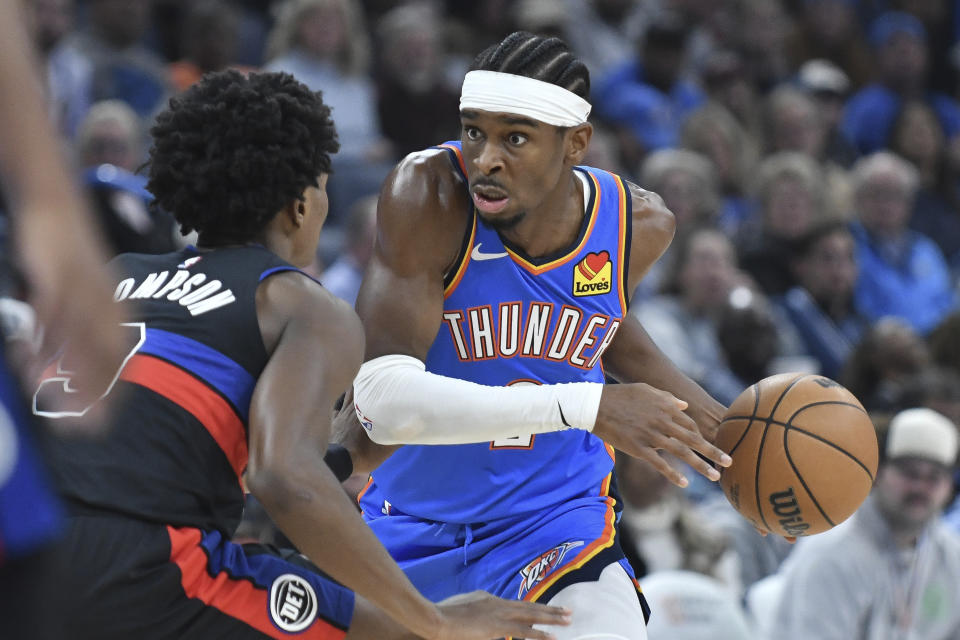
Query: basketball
804 454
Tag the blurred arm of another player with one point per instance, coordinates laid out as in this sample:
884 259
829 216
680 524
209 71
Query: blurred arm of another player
54 234
316 343
422 216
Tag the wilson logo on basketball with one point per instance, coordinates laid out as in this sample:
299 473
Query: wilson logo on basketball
785 505
593 275
540 567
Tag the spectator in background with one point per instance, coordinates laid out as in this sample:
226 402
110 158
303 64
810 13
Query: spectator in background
762 28
682 320
749 337
343 277
687 183
691 606
604 33
829 86
935 387
68 72
415 105
795 123
211 30
892 571
325 44
944 342
112 133
899 41
889 353
109 151
830 30
646 96
789 195
663 531
820 307
902 272
712 131
918 137
123 68
726 83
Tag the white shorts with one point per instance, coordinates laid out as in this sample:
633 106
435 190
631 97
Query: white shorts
606 609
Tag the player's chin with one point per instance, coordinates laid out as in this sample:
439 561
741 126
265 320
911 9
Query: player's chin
502 220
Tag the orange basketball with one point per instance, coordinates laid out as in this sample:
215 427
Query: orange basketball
804 454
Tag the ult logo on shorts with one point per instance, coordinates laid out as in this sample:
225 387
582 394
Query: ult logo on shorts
543 565
593 275
293 603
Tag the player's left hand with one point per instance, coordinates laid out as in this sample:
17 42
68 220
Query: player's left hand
707 417
365 454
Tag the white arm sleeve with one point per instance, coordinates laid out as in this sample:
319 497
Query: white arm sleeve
399 402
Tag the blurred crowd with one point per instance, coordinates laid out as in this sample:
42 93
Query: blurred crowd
809 149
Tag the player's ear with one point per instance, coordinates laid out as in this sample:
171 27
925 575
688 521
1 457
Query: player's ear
294 213
577 142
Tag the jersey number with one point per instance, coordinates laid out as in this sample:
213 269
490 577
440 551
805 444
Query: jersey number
56 395
516 442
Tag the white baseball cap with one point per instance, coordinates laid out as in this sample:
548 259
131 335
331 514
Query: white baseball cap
923 433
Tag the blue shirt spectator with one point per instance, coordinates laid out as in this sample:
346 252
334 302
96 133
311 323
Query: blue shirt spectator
900 42
907 278
902 272
649 98
821 307
653 116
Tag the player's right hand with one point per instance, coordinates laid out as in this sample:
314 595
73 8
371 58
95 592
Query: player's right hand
640 420
481 616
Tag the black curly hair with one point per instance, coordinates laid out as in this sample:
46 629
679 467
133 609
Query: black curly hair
548 59
234 149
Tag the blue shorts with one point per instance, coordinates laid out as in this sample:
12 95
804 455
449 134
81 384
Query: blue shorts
528 557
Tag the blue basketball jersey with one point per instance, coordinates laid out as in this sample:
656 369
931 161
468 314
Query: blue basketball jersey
510 319
30 514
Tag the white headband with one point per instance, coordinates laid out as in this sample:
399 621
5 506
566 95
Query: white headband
509 93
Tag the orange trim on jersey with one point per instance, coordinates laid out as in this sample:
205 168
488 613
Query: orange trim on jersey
203 403
605 540
366 488
537 270
238 598
622 198
464 261
458 153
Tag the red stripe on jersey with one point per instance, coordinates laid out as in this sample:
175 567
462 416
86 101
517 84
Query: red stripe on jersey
238 598
194 396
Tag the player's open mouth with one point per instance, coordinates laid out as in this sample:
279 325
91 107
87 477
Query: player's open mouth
489 204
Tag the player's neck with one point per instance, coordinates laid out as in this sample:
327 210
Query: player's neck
552 226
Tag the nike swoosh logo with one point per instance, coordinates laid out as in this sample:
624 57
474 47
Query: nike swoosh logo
563 419
476 255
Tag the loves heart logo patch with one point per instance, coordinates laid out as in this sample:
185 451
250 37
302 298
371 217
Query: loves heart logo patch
593 275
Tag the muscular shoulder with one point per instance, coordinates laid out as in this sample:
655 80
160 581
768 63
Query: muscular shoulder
653 228
423 211
291 298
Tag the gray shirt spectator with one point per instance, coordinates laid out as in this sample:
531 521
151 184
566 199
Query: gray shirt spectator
892 573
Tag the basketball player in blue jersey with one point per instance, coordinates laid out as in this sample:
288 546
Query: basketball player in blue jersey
235 360
494 305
